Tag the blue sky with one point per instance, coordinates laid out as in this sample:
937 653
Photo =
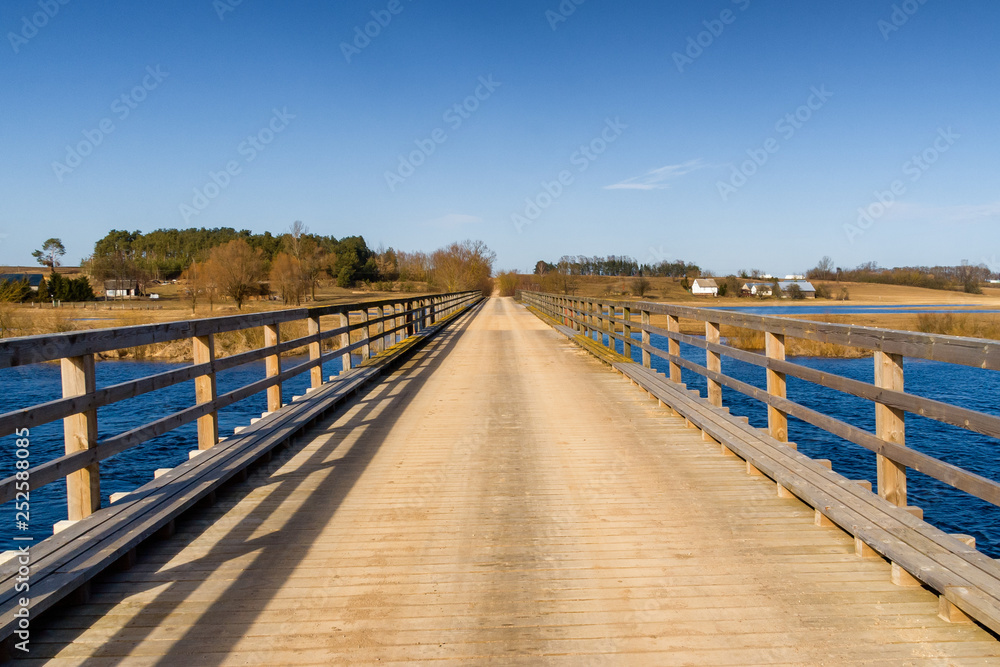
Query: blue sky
731 133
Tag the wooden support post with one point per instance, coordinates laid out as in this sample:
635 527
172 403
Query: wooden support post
345 341
611 328
315 352
205 390
820 519
272 336
777 420
901 577
949 612
646 358
383 311
366 349
627 332
713 361
83 487
862 550
890 426
397 310
674 348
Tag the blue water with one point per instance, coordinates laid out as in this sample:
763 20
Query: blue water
31 385
853 310
949 509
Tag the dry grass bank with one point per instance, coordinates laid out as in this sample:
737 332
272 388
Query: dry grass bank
27 320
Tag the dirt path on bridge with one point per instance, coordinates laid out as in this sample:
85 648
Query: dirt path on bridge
506 499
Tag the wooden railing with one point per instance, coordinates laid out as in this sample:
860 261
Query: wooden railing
617 320
381 324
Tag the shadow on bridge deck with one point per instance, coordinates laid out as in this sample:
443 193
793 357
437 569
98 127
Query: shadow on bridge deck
503 498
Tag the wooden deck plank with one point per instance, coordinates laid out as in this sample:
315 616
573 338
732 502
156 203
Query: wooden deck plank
504 499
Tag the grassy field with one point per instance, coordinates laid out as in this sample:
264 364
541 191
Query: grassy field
669 290
970 324
173 305
25 320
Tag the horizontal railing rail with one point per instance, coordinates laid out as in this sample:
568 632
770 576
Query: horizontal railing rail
615 319
380 324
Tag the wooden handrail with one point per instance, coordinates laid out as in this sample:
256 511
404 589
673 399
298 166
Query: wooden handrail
81 399
887 393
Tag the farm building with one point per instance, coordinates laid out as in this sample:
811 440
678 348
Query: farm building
806 287
121 289
705 287
758 289
34 280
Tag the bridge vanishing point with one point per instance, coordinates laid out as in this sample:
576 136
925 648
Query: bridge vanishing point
492 485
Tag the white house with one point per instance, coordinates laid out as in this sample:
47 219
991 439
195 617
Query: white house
758 289
705 287
118 289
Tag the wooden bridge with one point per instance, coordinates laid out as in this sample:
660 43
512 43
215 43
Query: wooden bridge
499 483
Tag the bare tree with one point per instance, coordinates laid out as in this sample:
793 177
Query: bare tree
236 269
640 286
293 239
464 266
288 278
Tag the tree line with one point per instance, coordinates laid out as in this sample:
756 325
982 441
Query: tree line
239 271
165 254
614 265
964 277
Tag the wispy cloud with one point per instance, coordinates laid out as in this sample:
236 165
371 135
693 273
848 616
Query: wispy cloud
962 213
659 179
453 220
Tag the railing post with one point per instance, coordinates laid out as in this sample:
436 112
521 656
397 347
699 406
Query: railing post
612 311
315 352
272 336
646 359
397 310
596 321
83 487
627 332
380 330
205 391
890 426
366 349
777 420
345 341
674 348
713 361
